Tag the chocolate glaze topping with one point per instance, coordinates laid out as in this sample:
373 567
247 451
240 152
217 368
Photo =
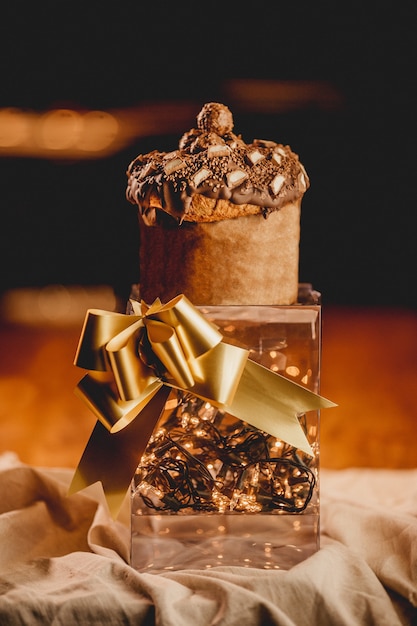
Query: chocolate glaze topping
213 162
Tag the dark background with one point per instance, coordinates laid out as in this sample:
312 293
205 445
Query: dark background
69 222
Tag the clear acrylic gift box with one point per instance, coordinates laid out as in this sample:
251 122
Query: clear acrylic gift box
211 490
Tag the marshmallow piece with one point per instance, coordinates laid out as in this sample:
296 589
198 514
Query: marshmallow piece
236 177
200 176
255 156
218 150
174 165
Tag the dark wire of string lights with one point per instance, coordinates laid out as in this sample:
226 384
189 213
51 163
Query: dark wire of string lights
202 459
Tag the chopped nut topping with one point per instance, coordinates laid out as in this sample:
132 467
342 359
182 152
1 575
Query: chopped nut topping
276 184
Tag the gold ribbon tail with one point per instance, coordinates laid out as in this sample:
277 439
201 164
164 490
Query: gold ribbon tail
112 458
272 403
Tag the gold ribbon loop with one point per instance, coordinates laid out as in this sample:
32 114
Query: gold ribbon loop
196 334
131 374
113 413
99 328
167 347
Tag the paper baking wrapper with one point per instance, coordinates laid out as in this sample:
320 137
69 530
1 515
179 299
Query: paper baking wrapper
245 260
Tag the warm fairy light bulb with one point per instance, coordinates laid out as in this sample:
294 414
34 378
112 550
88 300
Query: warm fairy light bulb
234 501
188 420
143 486
276 447
157 435
247 503
207 412
268 473
254 479
147 489
148 458
288 490
185 419
221 501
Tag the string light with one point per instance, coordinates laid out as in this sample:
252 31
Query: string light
203 459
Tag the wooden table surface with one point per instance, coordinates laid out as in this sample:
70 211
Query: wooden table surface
369 367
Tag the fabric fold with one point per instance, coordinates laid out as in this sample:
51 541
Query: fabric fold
64 560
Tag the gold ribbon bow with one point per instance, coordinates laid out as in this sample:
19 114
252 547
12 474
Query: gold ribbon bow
136 360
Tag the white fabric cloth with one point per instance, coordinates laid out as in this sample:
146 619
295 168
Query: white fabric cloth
63 561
